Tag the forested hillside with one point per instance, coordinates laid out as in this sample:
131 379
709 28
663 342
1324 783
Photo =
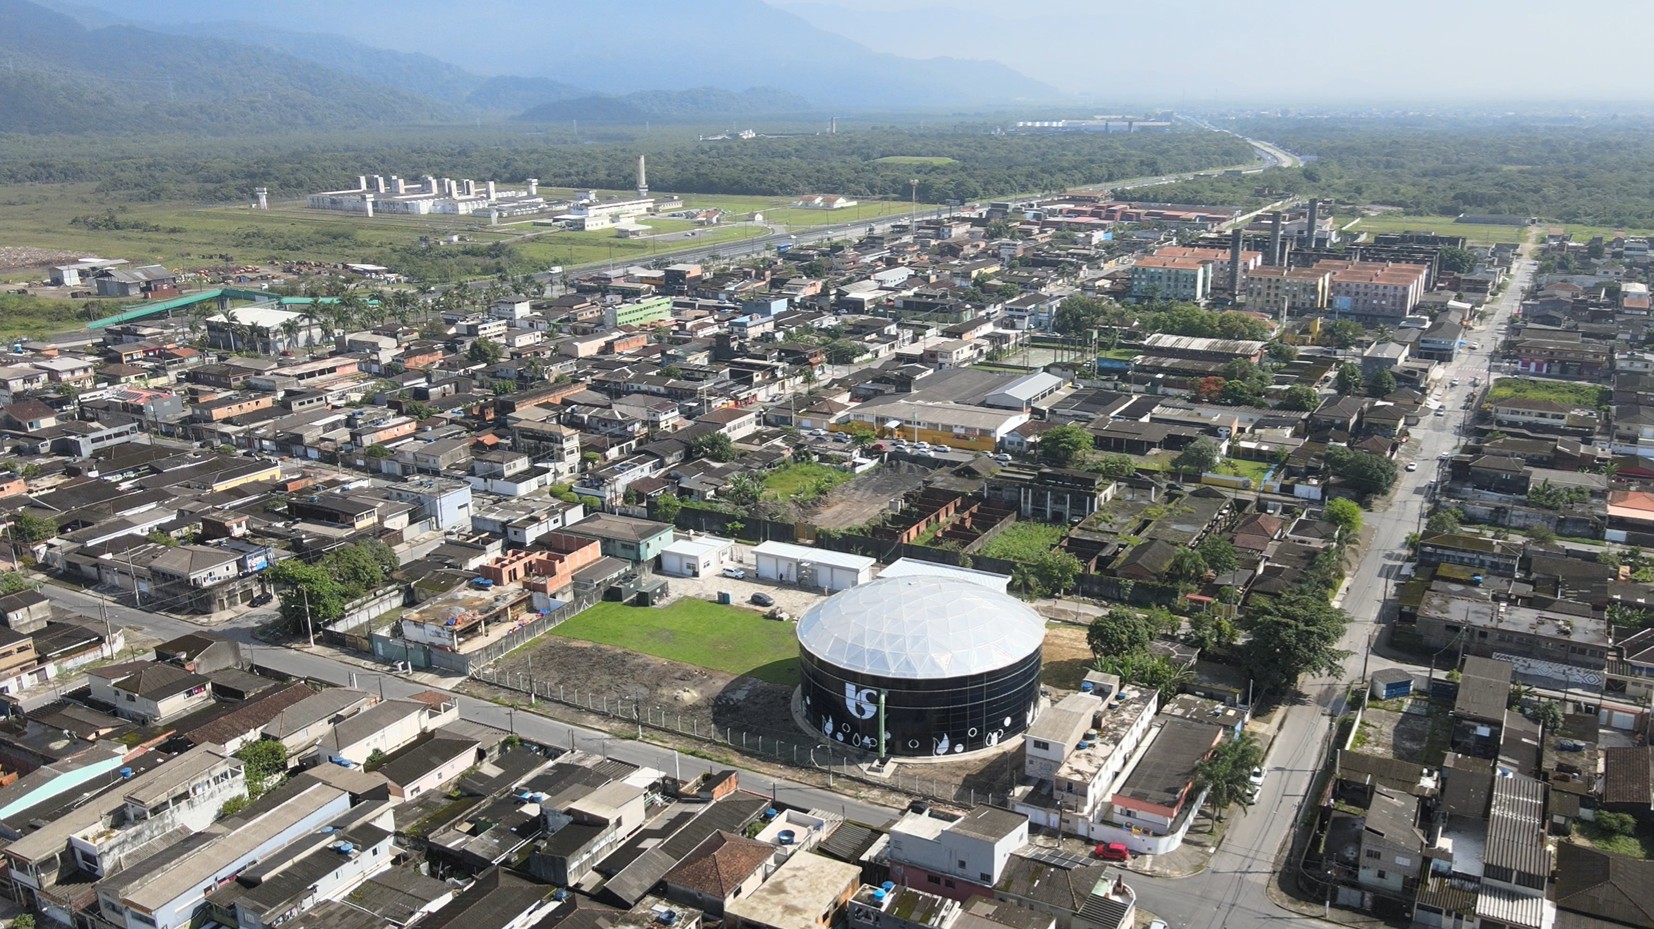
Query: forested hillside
644 105
61 77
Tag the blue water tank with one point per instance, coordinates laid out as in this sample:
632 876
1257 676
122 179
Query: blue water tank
786 837
879 895
888 886
126 773
1087 687
771 813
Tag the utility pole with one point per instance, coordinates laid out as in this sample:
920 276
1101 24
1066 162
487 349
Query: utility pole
309 628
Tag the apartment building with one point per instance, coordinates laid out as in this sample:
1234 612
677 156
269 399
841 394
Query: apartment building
1374 290
1157 278
1296 290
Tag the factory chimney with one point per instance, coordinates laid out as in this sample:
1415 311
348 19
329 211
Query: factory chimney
1314 224
642 178
832 127
1235 236
1275 255
491 195
263 195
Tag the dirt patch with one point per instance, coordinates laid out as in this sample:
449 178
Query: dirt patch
868 496
1067 656
752 718
20 257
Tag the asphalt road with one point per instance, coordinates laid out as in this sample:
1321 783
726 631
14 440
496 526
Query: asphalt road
1231 892
298 663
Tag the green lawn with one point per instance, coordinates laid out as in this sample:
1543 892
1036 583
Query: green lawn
1588 396
803 480
697 632
1398 222
1252 469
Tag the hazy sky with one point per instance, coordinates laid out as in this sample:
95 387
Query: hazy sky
1175 50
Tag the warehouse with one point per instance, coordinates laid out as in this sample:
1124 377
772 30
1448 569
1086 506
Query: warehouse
811 567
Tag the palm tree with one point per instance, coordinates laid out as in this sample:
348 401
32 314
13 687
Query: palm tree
1226 773
290 329
231 327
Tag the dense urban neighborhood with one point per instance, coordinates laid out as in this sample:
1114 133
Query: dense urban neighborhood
701 511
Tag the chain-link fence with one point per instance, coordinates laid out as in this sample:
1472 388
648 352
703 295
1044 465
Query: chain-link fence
783 746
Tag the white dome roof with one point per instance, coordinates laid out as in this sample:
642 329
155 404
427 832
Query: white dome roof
921 627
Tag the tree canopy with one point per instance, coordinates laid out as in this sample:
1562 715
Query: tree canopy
1293 635
1065 446
1364 472
1226 773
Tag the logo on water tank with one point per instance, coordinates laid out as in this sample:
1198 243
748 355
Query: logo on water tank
862 702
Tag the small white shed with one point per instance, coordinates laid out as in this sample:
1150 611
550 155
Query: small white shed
702 556
815 568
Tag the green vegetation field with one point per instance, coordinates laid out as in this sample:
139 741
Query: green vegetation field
697 632
1024 541
1583 233
1588 396
1256 470
35 316
806 479
182 235
1444 225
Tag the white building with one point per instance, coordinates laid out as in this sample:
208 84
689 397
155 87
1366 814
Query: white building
703 556
811 567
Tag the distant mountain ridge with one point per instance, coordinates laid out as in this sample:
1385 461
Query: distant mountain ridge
670 104
616 48
64 77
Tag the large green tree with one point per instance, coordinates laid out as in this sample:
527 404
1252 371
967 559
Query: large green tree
1120 631
1301 398
1348 381
32 527
1364 472
1293 635
1198 457
1064 446
1346 514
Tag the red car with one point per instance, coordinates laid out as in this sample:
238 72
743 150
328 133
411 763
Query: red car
1111 851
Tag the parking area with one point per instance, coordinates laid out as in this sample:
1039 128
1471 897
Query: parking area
794 600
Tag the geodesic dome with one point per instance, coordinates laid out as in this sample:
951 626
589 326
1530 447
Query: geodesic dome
921 628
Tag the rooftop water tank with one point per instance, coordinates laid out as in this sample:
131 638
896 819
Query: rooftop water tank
786 837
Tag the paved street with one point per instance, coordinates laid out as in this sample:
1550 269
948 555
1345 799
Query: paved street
1230 893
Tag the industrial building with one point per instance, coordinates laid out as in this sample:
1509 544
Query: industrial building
920 666
432 196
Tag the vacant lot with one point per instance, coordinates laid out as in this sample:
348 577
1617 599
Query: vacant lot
1588 396
697 632
803 481
868 496
1067 656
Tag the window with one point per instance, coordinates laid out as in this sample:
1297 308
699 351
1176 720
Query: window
934 879
948 883
1372 853
962 865
1382 875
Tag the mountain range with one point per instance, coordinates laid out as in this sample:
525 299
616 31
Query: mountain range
516 55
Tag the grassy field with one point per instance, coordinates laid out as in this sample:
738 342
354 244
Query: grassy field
1252 469
697 632
183 235
1397 222
1588 396
34 316
802 480
1639 844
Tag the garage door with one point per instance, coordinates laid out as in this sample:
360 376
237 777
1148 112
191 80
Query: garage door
1622 721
